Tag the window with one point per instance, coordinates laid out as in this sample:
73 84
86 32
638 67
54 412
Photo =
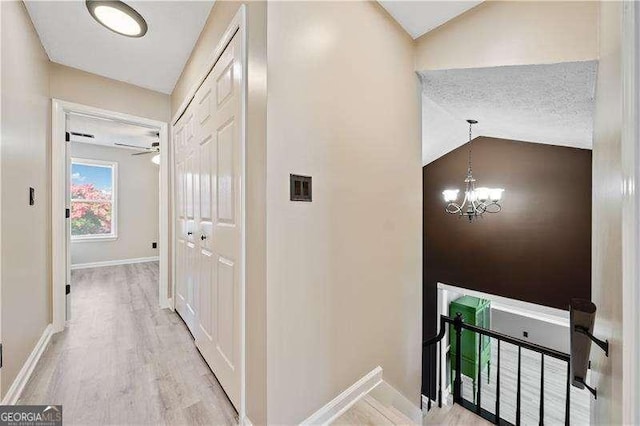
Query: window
93 199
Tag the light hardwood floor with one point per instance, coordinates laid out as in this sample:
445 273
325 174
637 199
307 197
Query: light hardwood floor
555 375
122 360
369 411
453 414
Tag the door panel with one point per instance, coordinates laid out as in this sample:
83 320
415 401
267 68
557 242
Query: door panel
226 311
186 175
222 88
180 225
181 233
209 170
226 174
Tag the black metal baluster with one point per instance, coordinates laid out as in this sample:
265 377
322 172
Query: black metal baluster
498 388
568 404
541 389
440 370
457 383
518 391
479 373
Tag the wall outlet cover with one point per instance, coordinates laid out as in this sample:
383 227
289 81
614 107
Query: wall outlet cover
154 245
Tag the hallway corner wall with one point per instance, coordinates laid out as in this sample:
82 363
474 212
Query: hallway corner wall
607 255
503 33
74 85
344 271
25 229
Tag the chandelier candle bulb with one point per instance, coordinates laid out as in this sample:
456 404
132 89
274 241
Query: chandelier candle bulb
482 193
496 194
477 201
450 194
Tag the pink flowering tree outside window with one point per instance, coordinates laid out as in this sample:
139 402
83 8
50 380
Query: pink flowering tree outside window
92 199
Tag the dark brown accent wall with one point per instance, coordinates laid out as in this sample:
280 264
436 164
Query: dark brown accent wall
538 249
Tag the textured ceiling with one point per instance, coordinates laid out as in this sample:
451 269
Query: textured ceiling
418 17
72 37
550 104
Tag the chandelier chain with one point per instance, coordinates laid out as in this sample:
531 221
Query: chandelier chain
470 144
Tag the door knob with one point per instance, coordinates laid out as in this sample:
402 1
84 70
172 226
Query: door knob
189 233
203 237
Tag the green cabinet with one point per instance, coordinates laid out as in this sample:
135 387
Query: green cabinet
475 311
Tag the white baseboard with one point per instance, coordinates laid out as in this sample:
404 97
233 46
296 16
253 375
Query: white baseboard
341 403
115 262
14 392
389 396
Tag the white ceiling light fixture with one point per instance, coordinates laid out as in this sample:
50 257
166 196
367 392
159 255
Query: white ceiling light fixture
477 201
117 17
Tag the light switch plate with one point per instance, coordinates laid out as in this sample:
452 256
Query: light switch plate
300 188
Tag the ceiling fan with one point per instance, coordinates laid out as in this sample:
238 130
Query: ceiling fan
154 149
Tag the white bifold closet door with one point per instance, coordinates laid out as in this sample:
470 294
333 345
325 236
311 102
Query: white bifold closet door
186 279
209 165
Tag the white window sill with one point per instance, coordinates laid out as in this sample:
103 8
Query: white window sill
93 239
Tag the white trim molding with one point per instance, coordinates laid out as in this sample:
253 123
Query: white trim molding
630 70
115 262
60 241
341 403
532 310
14 392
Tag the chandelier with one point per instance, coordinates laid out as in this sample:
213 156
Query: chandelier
477 201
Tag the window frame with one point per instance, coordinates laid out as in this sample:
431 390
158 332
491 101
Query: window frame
114 199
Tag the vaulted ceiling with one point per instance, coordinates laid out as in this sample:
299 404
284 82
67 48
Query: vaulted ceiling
420 17
72 37
551 104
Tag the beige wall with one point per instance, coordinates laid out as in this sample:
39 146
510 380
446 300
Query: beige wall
497 33
26 295
344 271
607 220
137 207
73 85
219 18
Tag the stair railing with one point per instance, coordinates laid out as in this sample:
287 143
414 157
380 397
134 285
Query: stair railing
459 325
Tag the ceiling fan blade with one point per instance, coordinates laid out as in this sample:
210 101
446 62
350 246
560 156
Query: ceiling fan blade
133 146
144 153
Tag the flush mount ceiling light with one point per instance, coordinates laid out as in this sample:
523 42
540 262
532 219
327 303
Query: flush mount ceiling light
477 201
118 17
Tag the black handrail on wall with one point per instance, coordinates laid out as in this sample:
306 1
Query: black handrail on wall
458 325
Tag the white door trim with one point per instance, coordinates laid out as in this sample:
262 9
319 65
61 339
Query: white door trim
59 239
630 212
237 25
